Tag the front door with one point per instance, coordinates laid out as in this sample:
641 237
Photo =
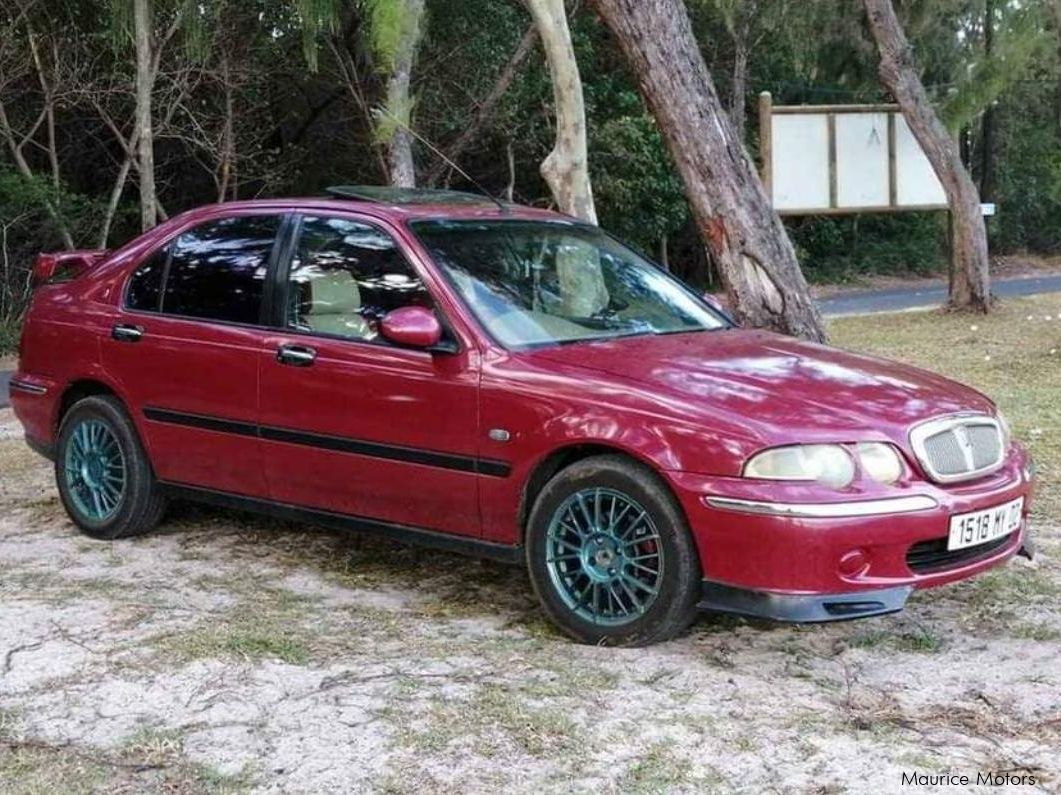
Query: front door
185 351
349 422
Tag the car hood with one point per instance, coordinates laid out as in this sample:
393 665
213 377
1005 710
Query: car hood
778 387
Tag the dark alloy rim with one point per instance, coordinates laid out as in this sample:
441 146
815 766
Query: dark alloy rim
94 467
604 556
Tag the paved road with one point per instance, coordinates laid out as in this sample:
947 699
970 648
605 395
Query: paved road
863 302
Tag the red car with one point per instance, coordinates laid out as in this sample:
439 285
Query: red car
511 383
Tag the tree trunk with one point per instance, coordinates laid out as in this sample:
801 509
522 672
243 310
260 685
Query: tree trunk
566 168
970 287
987 123
744 235
400 165
488 106
144 87
740 32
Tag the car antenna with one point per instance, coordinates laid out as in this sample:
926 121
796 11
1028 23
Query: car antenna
500 204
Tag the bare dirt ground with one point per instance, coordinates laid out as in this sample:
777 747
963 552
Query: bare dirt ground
227 653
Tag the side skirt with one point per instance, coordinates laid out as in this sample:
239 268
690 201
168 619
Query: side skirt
404 534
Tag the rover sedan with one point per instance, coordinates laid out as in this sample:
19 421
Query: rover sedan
507 382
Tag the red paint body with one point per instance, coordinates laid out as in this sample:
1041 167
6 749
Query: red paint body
693 407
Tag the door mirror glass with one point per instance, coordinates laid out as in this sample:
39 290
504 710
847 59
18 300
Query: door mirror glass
413 326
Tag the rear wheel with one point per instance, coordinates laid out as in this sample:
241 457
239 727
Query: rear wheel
610 556
104 478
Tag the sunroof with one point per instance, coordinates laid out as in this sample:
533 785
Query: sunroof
388 195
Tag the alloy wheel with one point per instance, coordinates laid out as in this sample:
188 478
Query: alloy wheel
604 556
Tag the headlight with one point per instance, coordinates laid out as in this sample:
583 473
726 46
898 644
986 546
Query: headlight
880 461
1007 433
828 464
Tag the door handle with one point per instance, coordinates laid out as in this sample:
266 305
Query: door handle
296 355
127 332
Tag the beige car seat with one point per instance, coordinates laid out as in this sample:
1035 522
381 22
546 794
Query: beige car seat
335 307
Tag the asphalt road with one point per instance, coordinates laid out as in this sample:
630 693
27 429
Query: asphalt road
862 302
867 302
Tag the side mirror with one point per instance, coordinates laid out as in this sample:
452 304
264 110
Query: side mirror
413 326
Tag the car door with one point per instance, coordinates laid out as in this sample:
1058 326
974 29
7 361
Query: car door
185 351
350 422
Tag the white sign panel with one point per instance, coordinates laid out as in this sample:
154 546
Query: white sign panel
915 181
801 162
847 159
861 159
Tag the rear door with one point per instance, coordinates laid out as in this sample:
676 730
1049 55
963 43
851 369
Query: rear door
185 350
351 423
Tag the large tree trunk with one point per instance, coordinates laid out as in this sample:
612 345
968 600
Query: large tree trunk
741 230
487 107
970 287
400 165
987 123
145 79
566 169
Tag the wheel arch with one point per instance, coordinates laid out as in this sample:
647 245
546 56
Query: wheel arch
80 388
561 458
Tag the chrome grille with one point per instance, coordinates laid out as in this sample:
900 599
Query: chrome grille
958 448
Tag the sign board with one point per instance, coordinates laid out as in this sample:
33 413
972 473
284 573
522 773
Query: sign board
831 159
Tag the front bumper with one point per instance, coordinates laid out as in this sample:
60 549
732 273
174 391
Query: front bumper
769 550
802 608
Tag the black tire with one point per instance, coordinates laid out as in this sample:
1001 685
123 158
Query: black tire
140 506
678 579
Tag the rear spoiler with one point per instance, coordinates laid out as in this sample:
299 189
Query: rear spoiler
62 266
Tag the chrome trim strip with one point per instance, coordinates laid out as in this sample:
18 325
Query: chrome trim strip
27 387
919 433
825 510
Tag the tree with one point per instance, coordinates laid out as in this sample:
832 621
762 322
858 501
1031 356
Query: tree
397 28
145 83
744 235
566 168
970 281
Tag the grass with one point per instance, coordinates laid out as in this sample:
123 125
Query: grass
269 626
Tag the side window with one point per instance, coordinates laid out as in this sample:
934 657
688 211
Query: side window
145 285
345 276
217 270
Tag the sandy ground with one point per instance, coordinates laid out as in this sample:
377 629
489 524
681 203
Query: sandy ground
226 653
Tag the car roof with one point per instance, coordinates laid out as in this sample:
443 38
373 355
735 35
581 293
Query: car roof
425 206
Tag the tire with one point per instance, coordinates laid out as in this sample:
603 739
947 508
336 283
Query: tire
591 594
104 477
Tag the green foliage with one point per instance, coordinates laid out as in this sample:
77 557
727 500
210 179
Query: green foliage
1018 40
840 249
26 229
388 21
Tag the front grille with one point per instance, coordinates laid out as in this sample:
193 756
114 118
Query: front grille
929 556
958 448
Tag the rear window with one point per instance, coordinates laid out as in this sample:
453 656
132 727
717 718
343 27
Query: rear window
215 271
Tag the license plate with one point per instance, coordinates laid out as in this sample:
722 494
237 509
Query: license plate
979 527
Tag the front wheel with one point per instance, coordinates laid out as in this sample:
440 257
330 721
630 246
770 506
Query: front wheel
104 478
610 555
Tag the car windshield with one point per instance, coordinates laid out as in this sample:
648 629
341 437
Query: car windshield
533 283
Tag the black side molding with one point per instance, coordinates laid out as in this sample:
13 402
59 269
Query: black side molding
404 534
340 444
